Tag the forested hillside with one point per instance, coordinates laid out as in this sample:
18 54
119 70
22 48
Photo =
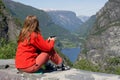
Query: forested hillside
48 27
10 27
9 30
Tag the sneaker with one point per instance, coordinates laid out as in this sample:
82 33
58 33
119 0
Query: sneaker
62 67
49 67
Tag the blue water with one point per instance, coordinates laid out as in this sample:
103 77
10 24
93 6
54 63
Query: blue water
71 53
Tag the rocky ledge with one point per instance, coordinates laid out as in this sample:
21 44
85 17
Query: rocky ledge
10 73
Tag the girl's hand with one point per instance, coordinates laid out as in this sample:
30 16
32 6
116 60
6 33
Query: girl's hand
53 38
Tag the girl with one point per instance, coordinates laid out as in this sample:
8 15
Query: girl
33 51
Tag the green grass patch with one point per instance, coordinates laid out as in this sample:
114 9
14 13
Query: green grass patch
86 65
7 49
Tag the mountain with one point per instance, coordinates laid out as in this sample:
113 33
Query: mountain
66 19
102 47
83 18
47 26
85 28
9 28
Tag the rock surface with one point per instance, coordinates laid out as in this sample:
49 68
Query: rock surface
9 29
72 74
102 47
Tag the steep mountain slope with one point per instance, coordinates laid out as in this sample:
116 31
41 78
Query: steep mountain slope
102 47
8 27
66 19
9 30
46 24
85 28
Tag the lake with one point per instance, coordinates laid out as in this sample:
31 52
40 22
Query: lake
71 53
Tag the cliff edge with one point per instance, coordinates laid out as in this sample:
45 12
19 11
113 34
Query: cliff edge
11 73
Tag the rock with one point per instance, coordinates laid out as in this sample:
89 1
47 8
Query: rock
102 46
11 73
9 29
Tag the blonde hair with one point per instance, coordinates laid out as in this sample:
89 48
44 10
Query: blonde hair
31 24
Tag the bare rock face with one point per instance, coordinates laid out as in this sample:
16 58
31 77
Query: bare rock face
13 29
8 28
3 23
103 42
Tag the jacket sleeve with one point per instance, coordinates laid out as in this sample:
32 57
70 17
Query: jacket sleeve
38 41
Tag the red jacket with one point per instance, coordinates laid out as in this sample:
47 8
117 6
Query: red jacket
27 53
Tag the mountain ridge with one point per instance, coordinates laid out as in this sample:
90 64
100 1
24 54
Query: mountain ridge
46 24
102 46
66 19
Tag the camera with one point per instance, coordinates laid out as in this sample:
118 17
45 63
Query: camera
52 36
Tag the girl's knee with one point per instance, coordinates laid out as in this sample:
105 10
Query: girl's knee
44 54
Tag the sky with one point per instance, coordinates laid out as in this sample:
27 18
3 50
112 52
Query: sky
80 7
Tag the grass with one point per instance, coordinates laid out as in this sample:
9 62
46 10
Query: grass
7 49
86 65
112 67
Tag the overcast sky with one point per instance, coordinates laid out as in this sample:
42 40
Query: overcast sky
80 7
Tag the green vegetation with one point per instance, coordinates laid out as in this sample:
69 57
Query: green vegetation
47 26
18 21
1 4
1 7
115 23
113 66
67 43
7 49
86 65
84 51
100 31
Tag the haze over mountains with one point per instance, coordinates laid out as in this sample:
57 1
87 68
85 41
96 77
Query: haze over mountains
64 23
10 27
101 31
66 19
83 18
